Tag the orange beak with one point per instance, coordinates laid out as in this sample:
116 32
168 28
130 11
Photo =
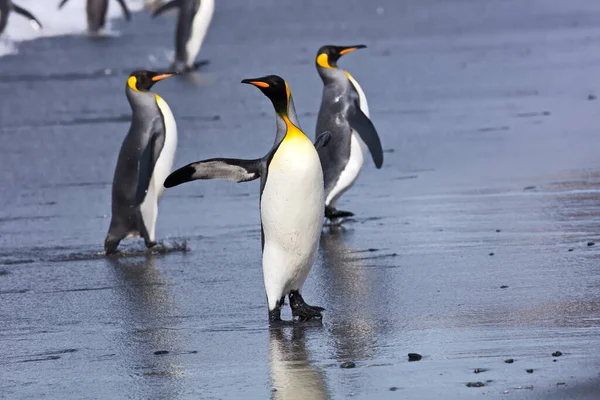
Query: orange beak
161 77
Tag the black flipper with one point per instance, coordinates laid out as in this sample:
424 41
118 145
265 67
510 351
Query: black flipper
216 168
62 3
165 7
322 140
363 125
146 168
19 10
125 9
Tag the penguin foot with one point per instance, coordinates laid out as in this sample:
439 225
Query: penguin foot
333 213
303 311
110 246
150 244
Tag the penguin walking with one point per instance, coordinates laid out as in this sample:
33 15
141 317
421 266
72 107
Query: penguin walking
291 200
145 160
96 13
345 113
6 6
193 22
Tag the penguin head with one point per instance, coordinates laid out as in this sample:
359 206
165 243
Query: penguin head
327 56
276 89
142 81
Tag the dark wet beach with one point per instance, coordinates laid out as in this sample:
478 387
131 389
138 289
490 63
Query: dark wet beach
477 241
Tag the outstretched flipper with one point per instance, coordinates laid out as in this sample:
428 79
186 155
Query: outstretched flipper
19 10
363 125
125 9
166 7
147 163
216 168
322 140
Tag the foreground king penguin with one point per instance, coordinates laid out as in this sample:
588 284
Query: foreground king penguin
291 200
192 25
145 160
345 113
6 6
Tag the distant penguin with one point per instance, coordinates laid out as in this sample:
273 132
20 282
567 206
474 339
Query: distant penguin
291 200
145 160
6 6
96 13
345 113
193 22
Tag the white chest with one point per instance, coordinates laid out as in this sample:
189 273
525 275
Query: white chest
164 163
200 26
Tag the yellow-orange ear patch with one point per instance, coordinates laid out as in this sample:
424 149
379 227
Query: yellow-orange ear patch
132 83
260 84
323 60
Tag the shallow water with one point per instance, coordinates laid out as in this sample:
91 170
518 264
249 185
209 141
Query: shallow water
491 148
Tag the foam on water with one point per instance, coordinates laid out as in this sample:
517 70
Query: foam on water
71 19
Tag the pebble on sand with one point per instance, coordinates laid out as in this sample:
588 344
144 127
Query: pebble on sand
475 384
504 287
571 249
393 389
556 354
414 357
160 352
480 370
491 254
509 361
347 364
529 371
590 243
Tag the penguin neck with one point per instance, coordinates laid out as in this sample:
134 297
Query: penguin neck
331 75
141 99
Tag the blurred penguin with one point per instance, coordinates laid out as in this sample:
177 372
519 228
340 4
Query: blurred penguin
96 11
6 6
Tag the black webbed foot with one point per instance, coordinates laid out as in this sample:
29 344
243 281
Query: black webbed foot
303 311
333 213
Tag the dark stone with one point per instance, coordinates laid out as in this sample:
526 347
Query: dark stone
560 383
414 357
556 354
571 249
475 384
529 188
591 243
160 352
393 389
554 360
347 364
498 230
491 254
591 97
509 361
480 370
504 287
529 371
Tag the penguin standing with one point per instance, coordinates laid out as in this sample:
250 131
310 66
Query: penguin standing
145 160
291 200
193 22
96 13
6 6
345 113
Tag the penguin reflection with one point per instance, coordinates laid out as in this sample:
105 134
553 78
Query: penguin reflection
292 375
350 285
146 309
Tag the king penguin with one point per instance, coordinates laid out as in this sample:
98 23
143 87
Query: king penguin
344 113
291 200
6 6
96 11
145 160
193 22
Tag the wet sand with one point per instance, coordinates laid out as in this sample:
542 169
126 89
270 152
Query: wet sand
477 242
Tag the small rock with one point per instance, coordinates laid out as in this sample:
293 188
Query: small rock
498 230
504 287
591 97
560 383
529 371
160 352
480 370
414 357
529 188
393 389
556 354
506 392
475 384
591 243
571 249
518 387
529 387
554 360
491 254
347 364
509 361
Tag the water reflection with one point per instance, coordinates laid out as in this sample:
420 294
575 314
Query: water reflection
146 311
292 374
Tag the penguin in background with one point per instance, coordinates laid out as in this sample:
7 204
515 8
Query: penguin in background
291 200
345 113
6 6
96 11
145 160
192 24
